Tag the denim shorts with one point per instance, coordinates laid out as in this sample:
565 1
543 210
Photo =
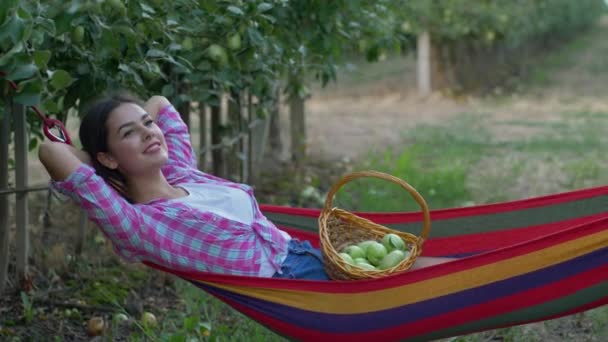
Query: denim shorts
303 262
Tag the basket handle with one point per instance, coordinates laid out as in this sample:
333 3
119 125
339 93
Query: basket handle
376 174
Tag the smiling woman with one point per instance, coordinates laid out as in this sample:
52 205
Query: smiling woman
137 178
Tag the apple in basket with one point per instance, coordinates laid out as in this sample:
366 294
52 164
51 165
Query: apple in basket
392 242
355 251
347 258
364 244
375 253
392 259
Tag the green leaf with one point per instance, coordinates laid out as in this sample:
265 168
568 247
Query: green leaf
28 98
33 144
14 28
51 106
22 71
41 58
255 37
47 24
190 323
146 8
127 69
235 10
264 6
61 79
7 57
5 6
167 90
155 53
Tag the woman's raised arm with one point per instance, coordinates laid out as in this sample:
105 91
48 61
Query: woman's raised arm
155 104
60 159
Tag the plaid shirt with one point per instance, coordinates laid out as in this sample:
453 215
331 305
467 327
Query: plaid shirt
173 234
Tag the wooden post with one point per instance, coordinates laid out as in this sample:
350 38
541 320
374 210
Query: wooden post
424 64
21 214
251 176
4 212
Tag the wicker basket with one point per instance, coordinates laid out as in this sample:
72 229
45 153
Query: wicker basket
339 228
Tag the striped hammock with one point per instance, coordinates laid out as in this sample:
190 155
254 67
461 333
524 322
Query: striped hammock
519 262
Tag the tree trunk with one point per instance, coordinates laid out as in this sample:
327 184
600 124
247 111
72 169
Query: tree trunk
424 64
184 112
298 129
276 143
4 212
234 113
202 158
438 67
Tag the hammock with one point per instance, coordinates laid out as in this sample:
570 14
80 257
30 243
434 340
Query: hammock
519 262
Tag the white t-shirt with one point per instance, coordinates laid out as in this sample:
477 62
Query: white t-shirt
231 203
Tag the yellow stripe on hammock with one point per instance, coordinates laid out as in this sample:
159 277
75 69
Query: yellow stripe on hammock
368 301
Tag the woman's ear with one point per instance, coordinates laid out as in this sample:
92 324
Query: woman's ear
107 160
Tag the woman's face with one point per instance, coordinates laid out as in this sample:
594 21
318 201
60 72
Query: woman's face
136 144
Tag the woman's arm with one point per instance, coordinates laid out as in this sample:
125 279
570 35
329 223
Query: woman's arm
73 176
61 160
174 129
155 104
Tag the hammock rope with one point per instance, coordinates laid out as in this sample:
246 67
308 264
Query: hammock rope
48 123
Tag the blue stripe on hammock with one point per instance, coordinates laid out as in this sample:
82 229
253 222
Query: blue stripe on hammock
353 323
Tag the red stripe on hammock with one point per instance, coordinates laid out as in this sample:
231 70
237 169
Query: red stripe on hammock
443 214
403 278
473 243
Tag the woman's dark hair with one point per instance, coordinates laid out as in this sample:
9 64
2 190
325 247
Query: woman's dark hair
93 135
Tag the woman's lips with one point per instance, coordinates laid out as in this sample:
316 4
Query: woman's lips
153 148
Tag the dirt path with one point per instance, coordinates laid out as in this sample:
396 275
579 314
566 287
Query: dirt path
358 115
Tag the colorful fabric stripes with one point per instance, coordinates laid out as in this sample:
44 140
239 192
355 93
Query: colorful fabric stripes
551 263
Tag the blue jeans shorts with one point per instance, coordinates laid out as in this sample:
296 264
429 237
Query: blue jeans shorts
303 262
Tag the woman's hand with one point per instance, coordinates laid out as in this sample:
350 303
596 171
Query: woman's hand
155 104
60 159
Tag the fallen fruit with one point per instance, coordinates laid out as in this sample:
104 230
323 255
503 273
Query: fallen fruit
148 319
120 317
95 326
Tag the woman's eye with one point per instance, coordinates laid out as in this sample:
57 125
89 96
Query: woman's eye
127 133
149 122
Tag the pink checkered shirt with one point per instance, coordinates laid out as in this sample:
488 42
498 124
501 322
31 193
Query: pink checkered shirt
173 234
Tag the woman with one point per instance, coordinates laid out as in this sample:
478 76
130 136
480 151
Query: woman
137 179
